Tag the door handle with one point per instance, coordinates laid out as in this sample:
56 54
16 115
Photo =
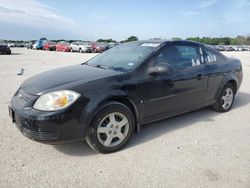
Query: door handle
199 76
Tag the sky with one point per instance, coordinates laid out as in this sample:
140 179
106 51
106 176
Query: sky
119 19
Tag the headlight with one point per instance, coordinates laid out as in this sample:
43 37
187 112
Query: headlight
56 100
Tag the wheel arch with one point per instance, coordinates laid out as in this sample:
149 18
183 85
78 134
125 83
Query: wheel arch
119 99
234 83
230 79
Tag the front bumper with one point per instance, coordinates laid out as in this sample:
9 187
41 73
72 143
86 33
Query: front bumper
5 51
46 127
66 49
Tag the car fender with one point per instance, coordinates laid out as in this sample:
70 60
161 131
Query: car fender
82 47
228 77
92 108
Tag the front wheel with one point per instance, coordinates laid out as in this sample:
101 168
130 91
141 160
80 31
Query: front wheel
226 99
111 129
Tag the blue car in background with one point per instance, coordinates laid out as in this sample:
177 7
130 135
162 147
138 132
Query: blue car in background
39 43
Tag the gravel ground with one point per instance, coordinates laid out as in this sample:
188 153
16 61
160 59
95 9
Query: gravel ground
199 149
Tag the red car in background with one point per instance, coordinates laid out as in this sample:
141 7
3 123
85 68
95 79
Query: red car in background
63 46
97 47
51 46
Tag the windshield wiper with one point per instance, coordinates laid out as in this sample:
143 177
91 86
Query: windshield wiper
121 69
98 65
102 66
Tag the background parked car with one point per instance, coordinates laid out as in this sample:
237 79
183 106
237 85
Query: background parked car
229 48
246 48
51 46
63 46
220 47
112 44
30 45
80 47
98 47
22 44
4 48
11 44
39 44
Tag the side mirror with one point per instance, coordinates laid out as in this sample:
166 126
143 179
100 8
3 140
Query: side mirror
161 68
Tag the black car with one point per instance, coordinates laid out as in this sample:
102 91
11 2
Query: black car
109 97
4 48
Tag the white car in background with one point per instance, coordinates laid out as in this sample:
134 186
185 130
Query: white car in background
80 47
11 44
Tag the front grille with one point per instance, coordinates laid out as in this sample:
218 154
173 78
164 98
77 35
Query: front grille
39 135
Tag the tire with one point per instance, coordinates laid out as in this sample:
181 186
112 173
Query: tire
80 50
105 135
226 99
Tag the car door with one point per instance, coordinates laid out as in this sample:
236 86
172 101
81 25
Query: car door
74 46
182 88
78 46
216 69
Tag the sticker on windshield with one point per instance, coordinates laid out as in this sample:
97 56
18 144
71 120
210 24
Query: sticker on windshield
130 64
151 44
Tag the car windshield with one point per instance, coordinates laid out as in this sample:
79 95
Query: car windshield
124 57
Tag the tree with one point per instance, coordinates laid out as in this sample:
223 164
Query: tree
176 38
106 40
130 39
248 40
195 39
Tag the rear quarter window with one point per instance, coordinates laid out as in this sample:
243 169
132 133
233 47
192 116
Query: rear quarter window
212 56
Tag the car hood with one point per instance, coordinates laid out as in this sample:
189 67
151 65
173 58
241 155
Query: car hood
63 76
3 45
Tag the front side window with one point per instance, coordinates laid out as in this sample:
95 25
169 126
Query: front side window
180 56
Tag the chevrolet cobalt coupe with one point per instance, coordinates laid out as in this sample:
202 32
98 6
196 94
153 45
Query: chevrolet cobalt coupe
107 98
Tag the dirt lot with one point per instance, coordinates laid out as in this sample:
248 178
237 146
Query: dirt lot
198 149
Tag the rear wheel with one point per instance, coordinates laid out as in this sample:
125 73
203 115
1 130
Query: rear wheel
111 129
226 99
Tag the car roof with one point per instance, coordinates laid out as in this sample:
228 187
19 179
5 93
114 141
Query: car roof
162 41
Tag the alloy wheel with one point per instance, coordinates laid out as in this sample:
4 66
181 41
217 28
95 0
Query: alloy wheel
113 129
227 98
